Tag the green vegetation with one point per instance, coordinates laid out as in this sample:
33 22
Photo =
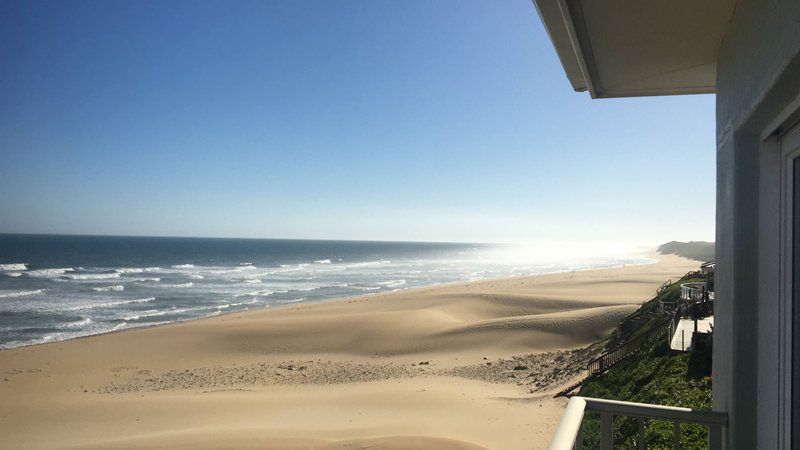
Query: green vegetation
654 375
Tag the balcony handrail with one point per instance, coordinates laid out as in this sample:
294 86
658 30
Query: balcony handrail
647 410
568 434
695 291
569 429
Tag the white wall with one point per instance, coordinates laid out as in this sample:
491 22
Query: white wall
758 75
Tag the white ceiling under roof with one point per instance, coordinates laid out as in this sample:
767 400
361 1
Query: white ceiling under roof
623 48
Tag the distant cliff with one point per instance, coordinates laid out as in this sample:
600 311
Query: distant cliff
699 250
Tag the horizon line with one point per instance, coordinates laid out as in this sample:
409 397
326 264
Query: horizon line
3 233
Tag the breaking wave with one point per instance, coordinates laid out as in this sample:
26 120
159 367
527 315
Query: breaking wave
118 287
14 294
48 273
264 293
176 286
91 276
392 283
111 304
124 270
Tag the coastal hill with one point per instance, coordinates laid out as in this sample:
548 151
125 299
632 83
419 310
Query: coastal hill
698 250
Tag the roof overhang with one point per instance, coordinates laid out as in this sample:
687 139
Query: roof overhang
627 48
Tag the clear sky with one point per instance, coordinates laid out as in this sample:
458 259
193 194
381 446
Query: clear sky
389 120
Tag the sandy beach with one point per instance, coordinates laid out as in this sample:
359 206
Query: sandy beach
461 366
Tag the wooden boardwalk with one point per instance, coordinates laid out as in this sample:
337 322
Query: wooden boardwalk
682 339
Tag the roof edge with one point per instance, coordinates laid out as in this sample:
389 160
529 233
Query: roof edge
557 20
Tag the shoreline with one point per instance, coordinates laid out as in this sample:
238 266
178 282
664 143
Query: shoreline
459 365
653 259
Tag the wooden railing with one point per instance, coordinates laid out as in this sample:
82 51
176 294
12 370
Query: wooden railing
612 357
663 286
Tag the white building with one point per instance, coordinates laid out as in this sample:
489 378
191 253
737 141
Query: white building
748 53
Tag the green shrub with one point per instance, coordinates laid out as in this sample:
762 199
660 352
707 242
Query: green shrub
656 375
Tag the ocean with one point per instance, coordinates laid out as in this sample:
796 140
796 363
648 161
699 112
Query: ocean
60 287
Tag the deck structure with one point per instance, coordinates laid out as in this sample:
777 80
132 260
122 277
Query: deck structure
747 52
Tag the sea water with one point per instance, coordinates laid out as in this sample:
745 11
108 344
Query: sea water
59 287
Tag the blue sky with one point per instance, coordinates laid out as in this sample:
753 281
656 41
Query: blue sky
412 120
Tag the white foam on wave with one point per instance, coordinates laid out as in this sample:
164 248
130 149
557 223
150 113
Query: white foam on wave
111 304
91 276
228 305
252 281
290 267
196 276
306 289
13 267
13 274
392 283
176 286
48 273
322 261
124 270
123 325
379 262
77 324
118 287
224 271
189 270
212 309
147 313
14 294
243 303
264 293
53 337
142 280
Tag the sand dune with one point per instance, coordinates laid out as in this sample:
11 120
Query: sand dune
466 365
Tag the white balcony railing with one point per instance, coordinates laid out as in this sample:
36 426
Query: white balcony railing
568 435
693 291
